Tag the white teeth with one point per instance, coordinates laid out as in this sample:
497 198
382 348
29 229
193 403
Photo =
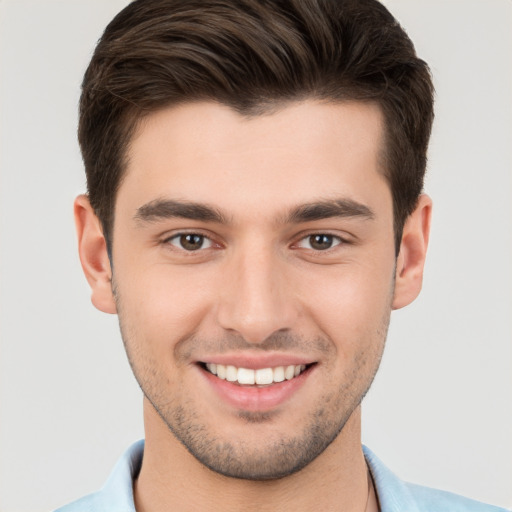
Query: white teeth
221 371
289 372
262 376
279 374
212 367
245 376
231 373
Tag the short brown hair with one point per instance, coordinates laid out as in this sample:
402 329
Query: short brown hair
251 55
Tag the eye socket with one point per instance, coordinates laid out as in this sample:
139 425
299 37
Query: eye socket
319 242
190 241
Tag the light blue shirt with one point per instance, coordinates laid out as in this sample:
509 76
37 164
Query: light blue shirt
394 495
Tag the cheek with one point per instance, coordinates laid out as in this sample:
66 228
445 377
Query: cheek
161 304
352 304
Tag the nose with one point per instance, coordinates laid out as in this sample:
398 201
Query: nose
256 299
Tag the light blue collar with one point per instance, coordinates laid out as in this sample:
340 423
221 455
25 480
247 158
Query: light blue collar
393 494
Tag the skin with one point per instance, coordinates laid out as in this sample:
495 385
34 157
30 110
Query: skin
256 290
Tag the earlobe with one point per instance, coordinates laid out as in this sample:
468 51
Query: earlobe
413 250
92 249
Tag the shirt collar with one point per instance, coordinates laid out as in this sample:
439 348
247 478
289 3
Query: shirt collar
117 493
392 493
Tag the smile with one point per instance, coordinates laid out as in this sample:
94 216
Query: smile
261 376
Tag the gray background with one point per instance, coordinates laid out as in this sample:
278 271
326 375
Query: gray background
440 409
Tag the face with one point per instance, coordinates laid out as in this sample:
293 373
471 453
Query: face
254 273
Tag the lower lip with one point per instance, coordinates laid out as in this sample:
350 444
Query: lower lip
253 398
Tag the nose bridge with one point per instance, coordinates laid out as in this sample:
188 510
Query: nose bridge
255 303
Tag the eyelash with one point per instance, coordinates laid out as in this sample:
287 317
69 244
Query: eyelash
335 239
180 239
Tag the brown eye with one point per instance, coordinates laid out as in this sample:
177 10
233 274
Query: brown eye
320 242
190 241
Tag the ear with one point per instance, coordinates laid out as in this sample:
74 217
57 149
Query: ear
92 249
413 250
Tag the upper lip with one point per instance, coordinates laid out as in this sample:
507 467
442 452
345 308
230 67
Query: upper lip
255 362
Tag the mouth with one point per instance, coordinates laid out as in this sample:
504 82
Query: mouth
258 384
260 377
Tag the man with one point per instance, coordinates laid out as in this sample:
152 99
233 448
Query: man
254 213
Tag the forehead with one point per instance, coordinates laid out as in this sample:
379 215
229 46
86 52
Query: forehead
207 152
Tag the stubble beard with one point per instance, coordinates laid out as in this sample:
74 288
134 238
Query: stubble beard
280 456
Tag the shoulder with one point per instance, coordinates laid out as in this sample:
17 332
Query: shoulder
117 493
441 501
90 503
396 495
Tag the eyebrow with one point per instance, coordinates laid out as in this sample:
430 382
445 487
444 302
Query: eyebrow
160 209
328 209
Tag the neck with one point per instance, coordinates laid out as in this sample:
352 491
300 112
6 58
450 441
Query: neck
172 479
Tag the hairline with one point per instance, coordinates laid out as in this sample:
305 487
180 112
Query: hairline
135 117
